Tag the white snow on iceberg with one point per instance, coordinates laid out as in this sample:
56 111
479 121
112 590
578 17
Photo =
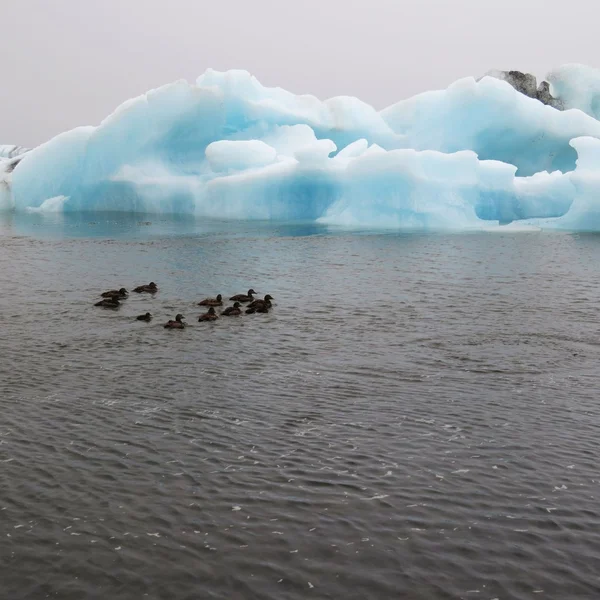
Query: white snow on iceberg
492 119
227 147
577 86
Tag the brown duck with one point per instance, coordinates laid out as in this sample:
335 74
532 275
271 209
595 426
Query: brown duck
148 289
211 315
109 303
147 317
232 311
119 294
176 324
260 308
218 301
266 301
244 297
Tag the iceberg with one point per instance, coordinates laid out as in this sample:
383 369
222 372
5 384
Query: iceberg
494 120
10 157
526 83
577 86
11 151
481 152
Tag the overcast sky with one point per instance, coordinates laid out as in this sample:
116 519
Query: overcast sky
71 62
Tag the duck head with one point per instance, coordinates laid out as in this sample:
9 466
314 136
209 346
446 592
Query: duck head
251 292
179 318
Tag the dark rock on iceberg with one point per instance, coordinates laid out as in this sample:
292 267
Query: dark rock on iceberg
11 151
526 84
544 96
10 166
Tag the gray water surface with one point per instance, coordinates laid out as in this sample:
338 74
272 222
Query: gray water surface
418 417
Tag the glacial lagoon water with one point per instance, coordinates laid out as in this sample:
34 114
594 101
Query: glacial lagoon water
418 417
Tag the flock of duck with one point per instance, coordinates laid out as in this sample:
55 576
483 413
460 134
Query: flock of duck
113 298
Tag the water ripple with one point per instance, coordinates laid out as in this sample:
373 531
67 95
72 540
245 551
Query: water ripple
416 418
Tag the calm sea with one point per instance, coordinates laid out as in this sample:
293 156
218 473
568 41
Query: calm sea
418 417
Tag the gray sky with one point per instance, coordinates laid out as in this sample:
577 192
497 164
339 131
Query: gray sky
71 62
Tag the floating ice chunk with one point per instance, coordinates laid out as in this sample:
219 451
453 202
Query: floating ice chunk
380 497
55 204
471 156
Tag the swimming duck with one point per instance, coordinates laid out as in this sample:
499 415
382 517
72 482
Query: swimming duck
232 311
148 289
266 301
218 301
147 317
244 297
176 324
109 303
120 294
259 308
211 315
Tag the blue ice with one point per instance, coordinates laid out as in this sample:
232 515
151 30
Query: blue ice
472 155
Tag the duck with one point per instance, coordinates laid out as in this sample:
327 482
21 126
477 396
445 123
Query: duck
211 315
176 324
147 317
149 289
111 302
244 297
232 311
218 301
266 301
120 294
259 308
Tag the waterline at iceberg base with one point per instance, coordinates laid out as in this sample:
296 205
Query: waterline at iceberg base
475 155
